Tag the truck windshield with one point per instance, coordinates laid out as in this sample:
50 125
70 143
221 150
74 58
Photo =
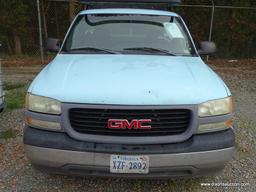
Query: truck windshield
128 34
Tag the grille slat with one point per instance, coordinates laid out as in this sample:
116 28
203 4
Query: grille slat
164 121
129 132
138 117
88 126
152 123
120 133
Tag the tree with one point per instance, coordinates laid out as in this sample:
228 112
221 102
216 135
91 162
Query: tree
72 4
13 19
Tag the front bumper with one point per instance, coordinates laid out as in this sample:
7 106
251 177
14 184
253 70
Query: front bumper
200 155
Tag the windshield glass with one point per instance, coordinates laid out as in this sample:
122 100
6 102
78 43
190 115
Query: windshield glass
128 34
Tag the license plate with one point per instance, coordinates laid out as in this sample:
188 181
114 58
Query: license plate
129 164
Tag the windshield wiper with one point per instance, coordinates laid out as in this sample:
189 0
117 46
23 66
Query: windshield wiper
93 49
151 50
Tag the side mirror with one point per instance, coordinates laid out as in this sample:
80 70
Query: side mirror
207 48
53 45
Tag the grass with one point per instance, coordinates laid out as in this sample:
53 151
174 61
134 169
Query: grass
13 86
15 96
9 134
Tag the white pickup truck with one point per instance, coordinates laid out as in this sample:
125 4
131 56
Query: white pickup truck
128 95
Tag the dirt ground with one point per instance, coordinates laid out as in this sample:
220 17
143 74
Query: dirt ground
17 174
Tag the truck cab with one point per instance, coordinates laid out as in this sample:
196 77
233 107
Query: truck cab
128 95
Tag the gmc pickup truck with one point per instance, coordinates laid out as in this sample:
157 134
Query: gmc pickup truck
128 95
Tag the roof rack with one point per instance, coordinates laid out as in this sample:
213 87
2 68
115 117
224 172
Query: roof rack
130 3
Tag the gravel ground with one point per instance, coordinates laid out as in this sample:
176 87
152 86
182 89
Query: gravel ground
17 174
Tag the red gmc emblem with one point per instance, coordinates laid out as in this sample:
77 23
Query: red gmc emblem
125 124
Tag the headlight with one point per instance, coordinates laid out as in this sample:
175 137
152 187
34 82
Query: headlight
215 107
43 104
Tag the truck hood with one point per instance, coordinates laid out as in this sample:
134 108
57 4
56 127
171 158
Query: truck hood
128 80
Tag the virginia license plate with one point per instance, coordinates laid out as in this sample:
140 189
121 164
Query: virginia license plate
129 164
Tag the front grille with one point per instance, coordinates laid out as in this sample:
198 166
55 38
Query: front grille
164 121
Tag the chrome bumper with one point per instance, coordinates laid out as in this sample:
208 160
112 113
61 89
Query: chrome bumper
98 164
57 152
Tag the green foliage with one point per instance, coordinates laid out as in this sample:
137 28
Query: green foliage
13 14
13 86
15 96
233 29
10 133
14 22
